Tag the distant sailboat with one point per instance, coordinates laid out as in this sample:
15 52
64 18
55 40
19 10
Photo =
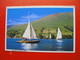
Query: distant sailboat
29 34
50 36
15 37
59 35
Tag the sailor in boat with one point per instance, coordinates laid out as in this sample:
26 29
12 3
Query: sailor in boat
22 41
25 39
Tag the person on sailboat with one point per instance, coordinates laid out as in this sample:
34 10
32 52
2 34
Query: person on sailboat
24 39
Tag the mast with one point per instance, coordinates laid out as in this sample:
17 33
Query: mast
29 32
29 23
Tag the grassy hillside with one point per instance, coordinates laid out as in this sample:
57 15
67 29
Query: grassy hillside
55 20
49 24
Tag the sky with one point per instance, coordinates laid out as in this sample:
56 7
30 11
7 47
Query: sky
20 15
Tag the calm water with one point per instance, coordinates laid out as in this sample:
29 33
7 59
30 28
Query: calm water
43 45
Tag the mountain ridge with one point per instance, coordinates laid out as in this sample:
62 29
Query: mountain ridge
51 22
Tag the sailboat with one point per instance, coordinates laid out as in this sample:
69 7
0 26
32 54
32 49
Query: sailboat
50 36
14 37
29 34
59 35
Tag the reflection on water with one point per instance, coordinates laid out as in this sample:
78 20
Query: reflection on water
28 46
43 45
59 45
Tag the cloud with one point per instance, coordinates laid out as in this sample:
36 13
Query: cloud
23 19
31 16
10 20
15 23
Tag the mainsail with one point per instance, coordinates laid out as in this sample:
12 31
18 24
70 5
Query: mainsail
59 34
29 32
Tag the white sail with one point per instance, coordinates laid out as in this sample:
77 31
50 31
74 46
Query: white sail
33 34
27 32
50 36
59 34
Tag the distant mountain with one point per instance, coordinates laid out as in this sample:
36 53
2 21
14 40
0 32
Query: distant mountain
8 26
46 25
55 20
50 21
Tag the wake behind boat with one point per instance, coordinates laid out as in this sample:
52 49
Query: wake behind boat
29 34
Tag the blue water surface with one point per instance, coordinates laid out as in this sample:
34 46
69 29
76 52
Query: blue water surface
43 45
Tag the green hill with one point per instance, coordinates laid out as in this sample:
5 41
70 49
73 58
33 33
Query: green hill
55 20
49 24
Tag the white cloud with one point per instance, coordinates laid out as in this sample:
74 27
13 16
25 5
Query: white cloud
31 16
9 20
22 20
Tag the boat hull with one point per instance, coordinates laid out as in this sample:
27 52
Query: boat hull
59 41
32 41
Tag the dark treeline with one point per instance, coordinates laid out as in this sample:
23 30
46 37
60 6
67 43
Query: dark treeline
40 33
69 28
12 33
18 34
